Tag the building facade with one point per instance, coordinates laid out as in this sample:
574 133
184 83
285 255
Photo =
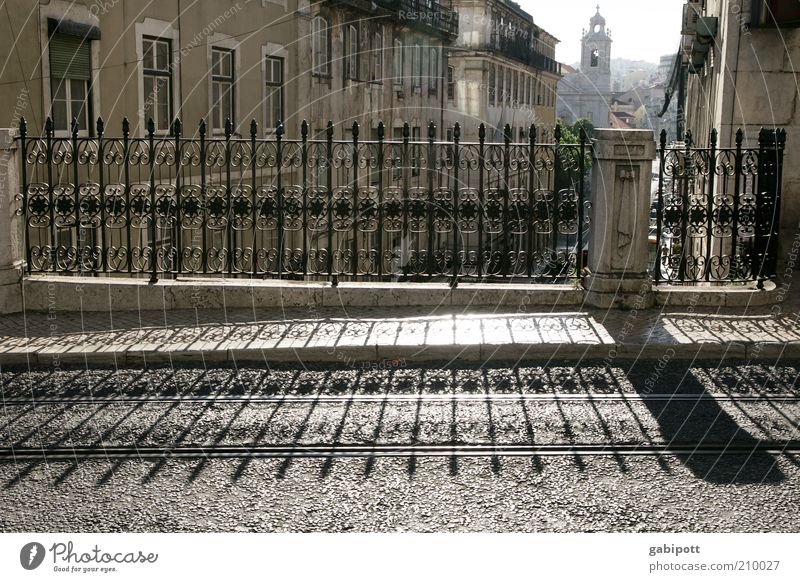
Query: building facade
269 61
586 93
738 69
501 71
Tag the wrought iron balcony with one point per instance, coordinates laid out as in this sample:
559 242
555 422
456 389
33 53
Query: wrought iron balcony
422 15
520 50
425 15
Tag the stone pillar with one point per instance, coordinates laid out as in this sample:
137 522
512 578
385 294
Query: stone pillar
620 219
11 241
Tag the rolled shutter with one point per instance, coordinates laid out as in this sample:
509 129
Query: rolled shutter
70 57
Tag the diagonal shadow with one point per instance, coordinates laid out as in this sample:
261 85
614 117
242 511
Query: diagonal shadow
704 422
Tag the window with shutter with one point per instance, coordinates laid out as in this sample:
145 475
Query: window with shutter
70 73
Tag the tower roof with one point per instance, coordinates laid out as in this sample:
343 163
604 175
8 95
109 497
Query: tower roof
597 19
597 28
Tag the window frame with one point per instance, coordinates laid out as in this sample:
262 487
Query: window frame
320 47
492 83
762 16
433 71
398 79
268 59
219 78
168 73
66 129
451 83
416 67
351 43
377 58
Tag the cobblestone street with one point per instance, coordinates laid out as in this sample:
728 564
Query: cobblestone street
544 446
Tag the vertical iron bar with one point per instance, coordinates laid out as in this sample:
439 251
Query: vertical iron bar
151 130
505 262
712 164
760 253
737 187
581 193
531 202
304 159
228 197
23 134
405 238
780 139
102 187
279 193
354 247
556 193
253 193
48 129
76 193
431 200
660 206
481 194
177 249
455 194
126 130
203 202
685 204
329 178
379 226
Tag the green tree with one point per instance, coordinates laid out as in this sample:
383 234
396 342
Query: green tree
569 175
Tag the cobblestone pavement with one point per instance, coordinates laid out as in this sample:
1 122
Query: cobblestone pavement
644 403
375 333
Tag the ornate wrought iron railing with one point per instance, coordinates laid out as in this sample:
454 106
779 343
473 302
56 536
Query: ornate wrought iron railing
309 208
717 210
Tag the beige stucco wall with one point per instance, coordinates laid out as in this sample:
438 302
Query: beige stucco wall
254 29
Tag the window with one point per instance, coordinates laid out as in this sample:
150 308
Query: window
492 85
222 86
157 72
397 63
416 67
70 72
351 56
776 13
273 96
69 101
377 58
433 73
507 85
526 87
320 44
595 57
516 87
538 92
451 83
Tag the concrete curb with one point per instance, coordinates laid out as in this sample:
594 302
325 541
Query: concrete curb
371 355
103 294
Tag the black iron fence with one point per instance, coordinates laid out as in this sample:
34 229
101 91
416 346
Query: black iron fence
309 208
716 216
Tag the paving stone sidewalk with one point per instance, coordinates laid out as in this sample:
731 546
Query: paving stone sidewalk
376 334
